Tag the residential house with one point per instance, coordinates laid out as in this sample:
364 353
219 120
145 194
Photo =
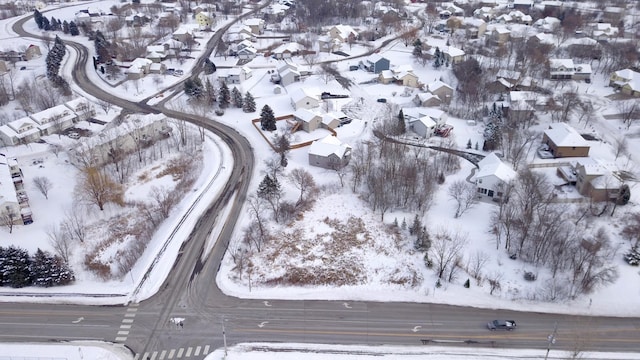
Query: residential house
562 140
134 131
32 52
442 90
328 44
303 98
486 13
205 20
286 51
157 53
82 17
548 24
423 126
523 5
136 20
329 153
627 80
288 75
183 34
603 31
54 119
308 120
247 53
613 14
14 203
157 68
493 178
343 33
427 99
596 180
474 27
333 119
21 131
83 109
138 69
375 63
386 77
500 35
256 25
403 75
453 55
561 69
437 115
235 75
582 72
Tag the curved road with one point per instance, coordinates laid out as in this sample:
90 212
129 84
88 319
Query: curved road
190 293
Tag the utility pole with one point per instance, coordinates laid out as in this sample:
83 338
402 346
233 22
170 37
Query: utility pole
552 339
224 338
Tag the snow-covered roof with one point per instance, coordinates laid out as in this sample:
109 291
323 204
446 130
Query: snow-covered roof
433 113
561 63
564 135
7 190
453 52
632 78
434 86
491 165
386 74
305 115
374 58
425 120
254 22
301 93
329 145
345 30
138 65
427 96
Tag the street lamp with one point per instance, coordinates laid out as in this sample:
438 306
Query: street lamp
552 339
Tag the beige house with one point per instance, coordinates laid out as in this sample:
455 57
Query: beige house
564 141
343 33
308 120
427 99
205 20
442 90
596 181
32 52
21 131
627 80
329 153
138 69
256 25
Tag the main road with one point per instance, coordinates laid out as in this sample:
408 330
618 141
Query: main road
190 315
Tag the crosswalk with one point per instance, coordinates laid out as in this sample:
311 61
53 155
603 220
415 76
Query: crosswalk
180 353
127 322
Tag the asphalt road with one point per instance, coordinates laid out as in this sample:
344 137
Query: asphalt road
190 293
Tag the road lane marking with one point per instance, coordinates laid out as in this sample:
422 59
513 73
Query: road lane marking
123 332
346 305
127 321
121 339
206 350
145 356
416 328
162 354
188 352
180 351
125 326
262 324
129 315
171 353
153 356
266 303
132 309
197 352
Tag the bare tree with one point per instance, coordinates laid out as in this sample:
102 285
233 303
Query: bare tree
629 112
303 181
96 188
8 219
60 241
445 250
464 194
494 282
75 224
476 264
620 145
43 184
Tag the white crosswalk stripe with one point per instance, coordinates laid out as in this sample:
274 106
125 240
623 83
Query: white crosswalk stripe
162 354
180 351
188 352
197 352
171 353
206 350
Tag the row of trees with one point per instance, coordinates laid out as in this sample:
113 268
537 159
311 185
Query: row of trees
19 269
53 61
55 24
208 95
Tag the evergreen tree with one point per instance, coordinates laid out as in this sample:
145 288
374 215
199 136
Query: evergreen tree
73 29
193 88
53 24
53 61
45 24
61 272
37 16
65 27
469 144
269 188
249 103
102 48
236 95
15 268
41 269
415 226
437 62
624 195
267 119
467 284
224 96
402 127
209 67
209 92
417 50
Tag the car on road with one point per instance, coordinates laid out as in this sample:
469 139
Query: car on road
382 100
501 325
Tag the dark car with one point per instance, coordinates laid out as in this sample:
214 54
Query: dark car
382 100
501 325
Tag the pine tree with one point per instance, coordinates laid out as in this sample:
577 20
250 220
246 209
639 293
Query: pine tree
53 61
54 24
209 92
61 272
73 29
224 96
269 188
415 226
65 27
267 119
15 268
467 284
469 144
209 67
438 61
45 24
193 88
37 16
41 269
249 103
236 95
102 48
417 51
402 127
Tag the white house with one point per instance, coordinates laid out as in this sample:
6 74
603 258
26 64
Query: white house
304 99
422 126
493 177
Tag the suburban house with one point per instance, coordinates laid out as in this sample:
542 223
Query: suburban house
329 153
256 25
375 63
582 72
14 203
562 140
453 55
138 69
547 24
343 33
403 75
500 35
247 53
31 128
427 99
561 69
303 98
235 75
328 44
603 31
136 20
288 76
157 53
183 34
627 80
32 52
135 130
493 177
422 126
442 90
474 27
596 180
308 120
286 51
437 115
205 20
